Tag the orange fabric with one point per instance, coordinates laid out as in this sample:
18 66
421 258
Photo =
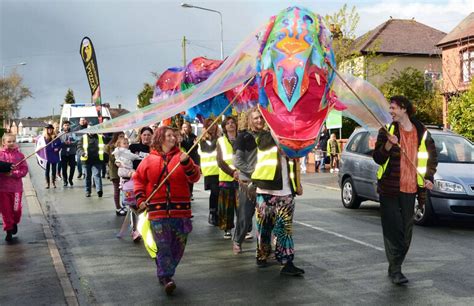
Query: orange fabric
409 143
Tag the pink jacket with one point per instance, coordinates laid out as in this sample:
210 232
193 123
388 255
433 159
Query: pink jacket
11 182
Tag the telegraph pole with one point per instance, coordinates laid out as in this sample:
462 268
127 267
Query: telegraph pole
183 45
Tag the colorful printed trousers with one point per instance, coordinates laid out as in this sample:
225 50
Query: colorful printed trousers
274 214
10 208
226 205
170 236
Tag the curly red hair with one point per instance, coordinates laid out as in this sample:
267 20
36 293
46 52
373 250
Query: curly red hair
159 137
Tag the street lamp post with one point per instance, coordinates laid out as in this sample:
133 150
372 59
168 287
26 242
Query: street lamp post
186 5
12 65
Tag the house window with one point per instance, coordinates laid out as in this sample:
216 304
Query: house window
467 64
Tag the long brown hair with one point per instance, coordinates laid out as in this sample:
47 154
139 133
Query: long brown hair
206 125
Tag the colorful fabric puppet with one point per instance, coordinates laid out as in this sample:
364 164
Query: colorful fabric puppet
294 79
293 60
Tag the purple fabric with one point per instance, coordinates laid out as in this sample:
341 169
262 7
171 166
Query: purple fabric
170 236
52 151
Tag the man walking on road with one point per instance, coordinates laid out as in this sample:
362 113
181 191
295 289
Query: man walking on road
245 159
91 149
408 160
68 154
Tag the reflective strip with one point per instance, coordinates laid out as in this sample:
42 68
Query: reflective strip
423 155
208 155
268 162
421 170
208 164
382 168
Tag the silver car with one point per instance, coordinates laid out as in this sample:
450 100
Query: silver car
453 192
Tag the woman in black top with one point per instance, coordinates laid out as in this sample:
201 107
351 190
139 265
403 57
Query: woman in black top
188 141
142 148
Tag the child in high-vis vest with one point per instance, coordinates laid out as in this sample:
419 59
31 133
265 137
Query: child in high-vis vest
124 160
11 186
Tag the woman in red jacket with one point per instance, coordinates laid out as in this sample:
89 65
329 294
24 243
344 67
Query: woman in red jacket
169 210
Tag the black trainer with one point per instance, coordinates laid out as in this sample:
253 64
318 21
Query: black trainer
100 193
70 182
88 194
15 229
9 236
65 184
261 263
398 278
290 269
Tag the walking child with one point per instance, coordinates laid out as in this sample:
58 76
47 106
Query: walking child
333 151
11 186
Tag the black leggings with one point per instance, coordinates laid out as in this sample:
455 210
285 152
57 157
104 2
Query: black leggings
51 166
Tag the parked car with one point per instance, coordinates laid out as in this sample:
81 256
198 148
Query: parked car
453 192
24 139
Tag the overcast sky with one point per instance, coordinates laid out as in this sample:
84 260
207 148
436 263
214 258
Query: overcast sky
134 38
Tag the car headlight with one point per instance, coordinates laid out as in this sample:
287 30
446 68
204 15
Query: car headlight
449 187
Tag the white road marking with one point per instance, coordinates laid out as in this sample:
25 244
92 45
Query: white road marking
325 230
340 235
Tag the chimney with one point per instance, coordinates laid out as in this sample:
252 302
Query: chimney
120 106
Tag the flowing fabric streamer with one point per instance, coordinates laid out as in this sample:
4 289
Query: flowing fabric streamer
235 71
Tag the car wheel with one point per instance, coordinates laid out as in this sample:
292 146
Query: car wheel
425 215
349 196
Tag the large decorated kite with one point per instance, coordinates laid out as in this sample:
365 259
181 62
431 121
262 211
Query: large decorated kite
293 61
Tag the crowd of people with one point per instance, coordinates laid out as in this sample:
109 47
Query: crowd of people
244 170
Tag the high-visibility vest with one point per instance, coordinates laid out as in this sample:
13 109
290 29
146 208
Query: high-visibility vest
227 156
85 146
266 167
328 147
422 160
209 162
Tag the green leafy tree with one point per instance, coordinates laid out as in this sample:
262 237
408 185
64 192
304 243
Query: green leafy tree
69 98
145 95
427 100
461 113
12 93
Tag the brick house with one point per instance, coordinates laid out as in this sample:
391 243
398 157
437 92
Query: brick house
405 42
458 61
26 126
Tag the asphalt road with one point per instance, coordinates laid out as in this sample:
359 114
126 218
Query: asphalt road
341 251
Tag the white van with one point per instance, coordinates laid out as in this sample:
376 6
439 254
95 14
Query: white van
74 112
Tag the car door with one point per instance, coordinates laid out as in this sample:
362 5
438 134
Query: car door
367 181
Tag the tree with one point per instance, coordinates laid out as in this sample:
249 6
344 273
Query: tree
69 98
343 25
427 100
461 113
12 93
145 95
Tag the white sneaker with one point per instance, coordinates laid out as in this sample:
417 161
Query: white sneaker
337 169
332 170
227 235
248 236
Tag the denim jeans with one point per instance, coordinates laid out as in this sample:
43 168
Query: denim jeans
79 165
93 172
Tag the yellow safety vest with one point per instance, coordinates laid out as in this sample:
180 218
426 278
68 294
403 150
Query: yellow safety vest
267 162
144 228
208 162
422 160
85 146
227 156
328 147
